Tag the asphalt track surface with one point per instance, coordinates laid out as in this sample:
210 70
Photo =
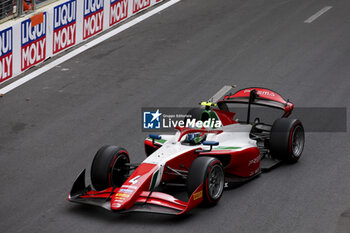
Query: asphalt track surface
51 126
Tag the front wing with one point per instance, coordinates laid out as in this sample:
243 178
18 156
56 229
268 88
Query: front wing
147 201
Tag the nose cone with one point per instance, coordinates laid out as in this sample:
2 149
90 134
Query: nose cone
119 201
139 181
117 206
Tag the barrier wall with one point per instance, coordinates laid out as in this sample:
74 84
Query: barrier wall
30 40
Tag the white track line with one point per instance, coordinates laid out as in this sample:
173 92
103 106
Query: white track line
318 14
85 47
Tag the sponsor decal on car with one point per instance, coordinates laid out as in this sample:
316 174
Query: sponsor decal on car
64 25
93 17
125 191
128 187
254 172
140 5
116 205
265 92
254 161
197 195
6 57
118 11
33 42
122 195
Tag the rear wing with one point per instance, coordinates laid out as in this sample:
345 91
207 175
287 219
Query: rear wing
252 95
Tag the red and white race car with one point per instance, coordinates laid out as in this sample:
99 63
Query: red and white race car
201 161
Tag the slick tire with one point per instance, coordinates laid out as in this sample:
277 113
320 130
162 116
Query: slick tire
108 168
287 140
209 172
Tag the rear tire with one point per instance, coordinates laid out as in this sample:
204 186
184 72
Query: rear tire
107 167
287 139
209 172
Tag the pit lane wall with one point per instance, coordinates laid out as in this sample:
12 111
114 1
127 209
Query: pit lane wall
30 40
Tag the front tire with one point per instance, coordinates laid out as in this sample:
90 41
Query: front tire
287 139
108 168
209 172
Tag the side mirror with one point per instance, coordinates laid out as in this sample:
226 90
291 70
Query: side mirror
208 143
155 136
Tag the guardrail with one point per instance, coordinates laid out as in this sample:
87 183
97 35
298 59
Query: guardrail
10 9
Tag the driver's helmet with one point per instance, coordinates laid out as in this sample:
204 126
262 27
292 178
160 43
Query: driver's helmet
195 138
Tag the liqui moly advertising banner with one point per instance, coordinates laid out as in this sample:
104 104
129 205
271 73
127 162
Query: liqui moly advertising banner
45 32
6 57
64 26
118 12
93 17
33 43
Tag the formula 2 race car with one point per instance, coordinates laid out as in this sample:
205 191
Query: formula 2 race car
202 161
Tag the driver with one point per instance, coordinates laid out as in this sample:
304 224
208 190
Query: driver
195 138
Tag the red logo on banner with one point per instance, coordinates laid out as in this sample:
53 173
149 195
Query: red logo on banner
119 11
140 5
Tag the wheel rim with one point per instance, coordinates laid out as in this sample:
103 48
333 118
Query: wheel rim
215 182
298 141
118 173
